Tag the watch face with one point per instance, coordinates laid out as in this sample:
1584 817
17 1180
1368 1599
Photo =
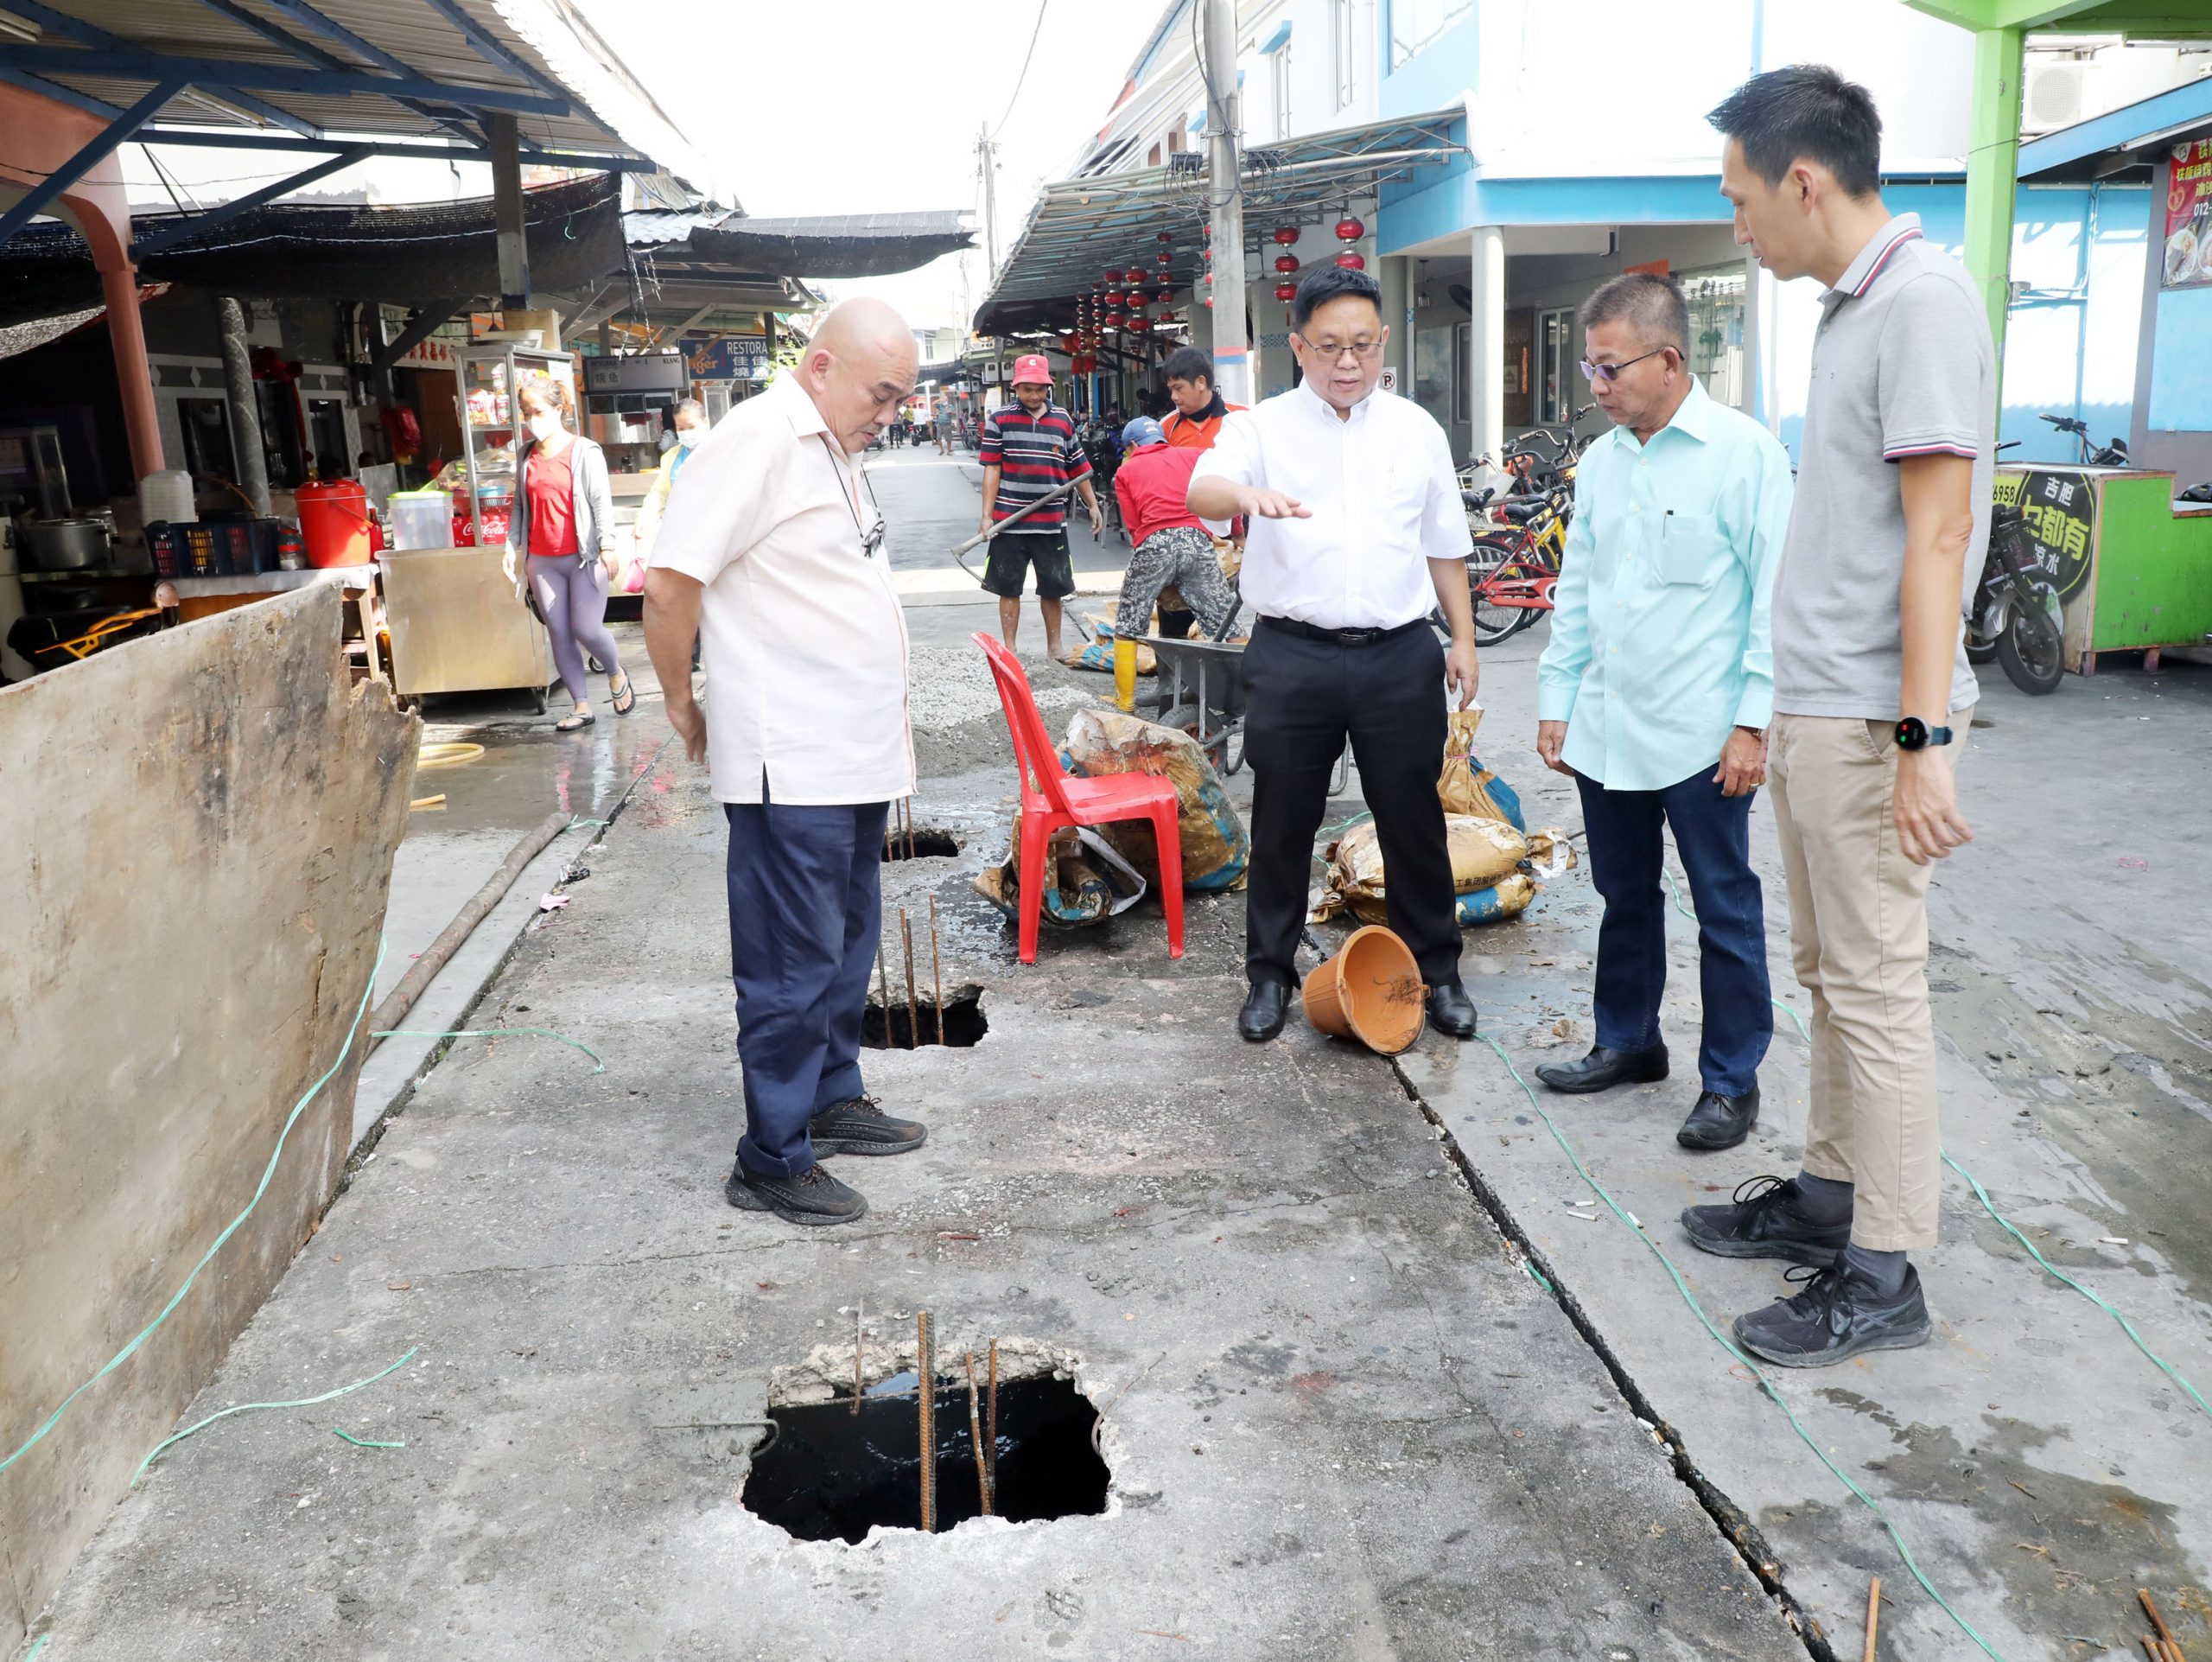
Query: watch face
1912 733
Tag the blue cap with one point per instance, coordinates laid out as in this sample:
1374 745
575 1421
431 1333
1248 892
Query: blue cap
1141 432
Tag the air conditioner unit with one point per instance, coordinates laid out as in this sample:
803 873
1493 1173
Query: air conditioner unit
2053 95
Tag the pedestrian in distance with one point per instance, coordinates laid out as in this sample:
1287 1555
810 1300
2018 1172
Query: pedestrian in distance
1357 533
563 523
771 554
690 421
1173 544
1029 450
1872 701
1655 692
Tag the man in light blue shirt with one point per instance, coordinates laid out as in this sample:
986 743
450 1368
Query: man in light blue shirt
1654 694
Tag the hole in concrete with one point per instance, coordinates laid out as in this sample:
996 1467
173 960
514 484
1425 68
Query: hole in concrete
897 1027
928 843
832 1475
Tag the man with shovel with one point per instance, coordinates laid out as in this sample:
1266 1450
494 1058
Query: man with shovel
1029 451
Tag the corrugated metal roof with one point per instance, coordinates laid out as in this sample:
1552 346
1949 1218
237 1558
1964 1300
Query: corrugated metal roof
610 111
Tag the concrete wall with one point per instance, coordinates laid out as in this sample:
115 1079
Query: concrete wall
196 837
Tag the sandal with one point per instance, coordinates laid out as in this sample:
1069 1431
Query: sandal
574 724
626 700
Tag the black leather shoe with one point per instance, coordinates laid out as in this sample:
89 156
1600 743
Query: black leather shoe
1603 1069
812 1197
858 1126
1451 1011
1265 1006
1762 1220
1719 1122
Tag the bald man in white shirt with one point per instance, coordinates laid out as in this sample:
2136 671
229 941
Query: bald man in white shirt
1358 531
771 556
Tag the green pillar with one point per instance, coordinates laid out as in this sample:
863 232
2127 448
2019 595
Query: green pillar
1993 171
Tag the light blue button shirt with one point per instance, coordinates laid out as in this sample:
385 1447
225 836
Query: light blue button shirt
1660 641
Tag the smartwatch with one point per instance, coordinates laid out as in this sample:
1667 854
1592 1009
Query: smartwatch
1913 734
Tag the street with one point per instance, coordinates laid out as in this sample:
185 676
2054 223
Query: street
1379 1375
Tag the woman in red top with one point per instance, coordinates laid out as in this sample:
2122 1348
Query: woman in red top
563 521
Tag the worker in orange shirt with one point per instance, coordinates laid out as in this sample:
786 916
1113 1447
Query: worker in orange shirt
1193 424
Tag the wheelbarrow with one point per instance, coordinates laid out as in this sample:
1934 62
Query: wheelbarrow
1200 690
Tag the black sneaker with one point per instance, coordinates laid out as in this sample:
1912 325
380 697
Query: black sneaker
1763 1221
812 1197
1838 1315
858 1126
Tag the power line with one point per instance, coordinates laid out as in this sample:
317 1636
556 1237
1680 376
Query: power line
1026 57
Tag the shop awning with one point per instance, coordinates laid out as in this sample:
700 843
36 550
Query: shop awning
2120 141
404 77
833 245
1081 227
405 255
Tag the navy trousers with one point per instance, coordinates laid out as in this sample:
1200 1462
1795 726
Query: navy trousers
805 904
1712 833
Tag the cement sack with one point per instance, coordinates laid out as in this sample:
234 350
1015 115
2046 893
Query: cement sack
1086 880
1215 847
1466 786
1098 653
1493 871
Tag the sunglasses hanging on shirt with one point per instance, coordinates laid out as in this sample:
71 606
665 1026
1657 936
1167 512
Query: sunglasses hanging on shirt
871 536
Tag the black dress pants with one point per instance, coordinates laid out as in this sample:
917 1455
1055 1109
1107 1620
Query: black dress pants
1303 698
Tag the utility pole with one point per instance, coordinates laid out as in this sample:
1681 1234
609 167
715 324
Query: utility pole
986 159
1232 360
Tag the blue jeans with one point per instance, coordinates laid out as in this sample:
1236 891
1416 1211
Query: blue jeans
805 904
1712 834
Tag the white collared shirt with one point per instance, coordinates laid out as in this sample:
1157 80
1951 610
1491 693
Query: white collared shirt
1384 501
801 634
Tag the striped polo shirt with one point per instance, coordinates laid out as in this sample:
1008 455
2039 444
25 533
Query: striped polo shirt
1034 455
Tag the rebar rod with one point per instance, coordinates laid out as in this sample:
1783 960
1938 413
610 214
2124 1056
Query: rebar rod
913 1022
975 1438
883 986
928 1395
993 1428
937 973
858 1310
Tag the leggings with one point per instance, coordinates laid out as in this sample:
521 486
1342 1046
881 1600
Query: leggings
573 596
1184 555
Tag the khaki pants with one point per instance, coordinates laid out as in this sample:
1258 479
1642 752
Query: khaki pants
1859 940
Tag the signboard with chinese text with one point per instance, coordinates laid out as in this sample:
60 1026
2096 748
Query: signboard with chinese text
2061 513
2186 256
728 358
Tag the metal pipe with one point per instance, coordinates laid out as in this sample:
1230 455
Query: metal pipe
937 973
975 1438
928 1395
913 1022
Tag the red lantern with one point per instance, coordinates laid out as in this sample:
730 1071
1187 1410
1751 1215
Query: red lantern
1069 344
1286 264
1165 258
1139 324
1162 236
1285 291
1162 294
1209 302
1350 230
1286 234
1351 262
1134 274
1114 276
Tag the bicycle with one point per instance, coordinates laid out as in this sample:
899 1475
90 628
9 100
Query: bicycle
2112 455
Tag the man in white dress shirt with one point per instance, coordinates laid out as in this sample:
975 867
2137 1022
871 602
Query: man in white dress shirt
773 557
1358 531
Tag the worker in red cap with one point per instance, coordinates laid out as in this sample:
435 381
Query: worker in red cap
1029 450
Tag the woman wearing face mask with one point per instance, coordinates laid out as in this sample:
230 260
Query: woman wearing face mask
563 521
690 419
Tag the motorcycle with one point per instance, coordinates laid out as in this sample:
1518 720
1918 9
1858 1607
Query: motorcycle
2014 616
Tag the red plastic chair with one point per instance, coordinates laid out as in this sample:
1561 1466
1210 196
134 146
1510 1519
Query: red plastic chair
1053 797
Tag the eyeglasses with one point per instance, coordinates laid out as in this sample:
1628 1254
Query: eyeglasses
1613 371
1331 352
872 538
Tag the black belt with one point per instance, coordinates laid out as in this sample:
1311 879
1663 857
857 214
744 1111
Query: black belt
1340 637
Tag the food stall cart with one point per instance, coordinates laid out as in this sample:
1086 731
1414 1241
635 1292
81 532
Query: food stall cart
2133 566
457 623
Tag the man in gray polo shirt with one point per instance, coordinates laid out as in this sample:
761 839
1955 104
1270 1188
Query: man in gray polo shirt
1872 699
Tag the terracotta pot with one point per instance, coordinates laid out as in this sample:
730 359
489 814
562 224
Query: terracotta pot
1370 990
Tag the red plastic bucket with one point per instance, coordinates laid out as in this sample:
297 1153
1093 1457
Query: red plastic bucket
335 522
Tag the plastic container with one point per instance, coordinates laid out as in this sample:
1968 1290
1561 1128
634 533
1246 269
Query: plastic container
165 498
291 552
421 519
204 554
249 545
335 522
1370 990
